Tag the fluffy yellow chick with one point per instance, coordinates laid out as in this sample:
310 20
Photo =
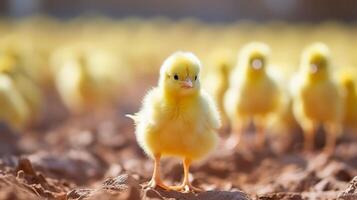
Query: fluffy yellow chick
284 121
217 80
108 72
347 80
317 98
14 109
74 83
177 118
86 78
253 93
30 54
25 86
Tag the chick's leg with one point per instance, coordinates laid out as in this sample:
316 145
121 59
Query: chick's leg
332 131
309 137
260 134
186 185
236 136
156 179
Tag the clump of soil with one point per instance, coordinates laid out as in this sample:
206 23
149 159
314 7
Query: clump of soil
351 192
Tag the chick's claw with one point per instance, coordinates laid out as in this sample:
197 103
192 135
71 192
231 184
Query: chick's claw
157 183
232 143
186 187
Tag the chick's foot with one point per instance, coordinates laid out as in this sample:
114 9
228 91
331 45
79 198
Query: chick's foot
157 183
185 187
156 180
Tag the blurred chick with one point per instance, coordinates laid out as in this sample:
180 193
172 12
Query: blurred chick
347 80
27 88
29 54
14 109
74 83
317 99
86 79
217 80
284 122
253 93
177 118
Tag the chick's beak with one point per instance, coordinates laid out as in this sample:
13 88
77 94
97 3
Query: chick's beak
313 68
187 83
257 64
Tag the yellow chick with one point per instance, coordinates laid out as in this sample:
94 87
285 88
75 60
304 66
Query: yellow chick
283 123
25 86
86 79
284 120
74 83
177 117
31 55
317 98
108 72
253 93
14 110
217 80
347 80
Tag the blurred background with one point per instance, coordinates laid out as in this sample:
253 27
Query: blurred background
71 69
67 58
84 55
209 10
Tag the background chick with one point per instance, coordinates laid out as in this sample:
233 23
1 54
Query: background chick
348 80
74 84
85 78
216 82
283 125
14 109
177 117
253 93
26 87
317 98
31 50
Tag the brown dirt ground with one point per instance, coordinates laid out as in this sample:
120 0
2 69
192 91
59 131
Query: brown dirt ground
95 156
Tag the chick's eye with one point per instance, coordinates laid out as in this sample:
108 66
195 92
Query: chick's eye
195 77
176 77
